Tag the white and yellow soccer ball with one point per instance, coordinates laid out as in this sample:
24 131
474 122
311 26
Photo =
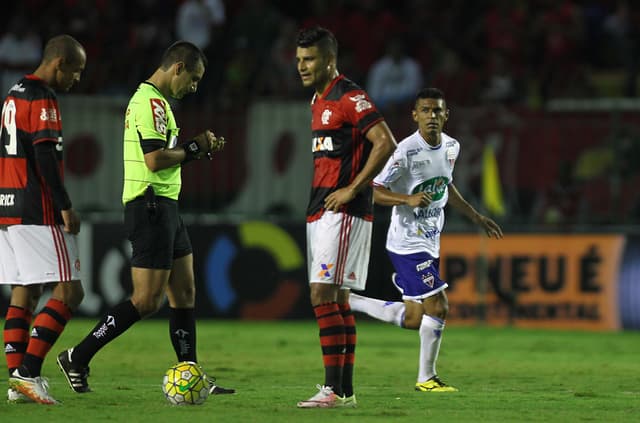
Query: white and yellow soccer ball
185 384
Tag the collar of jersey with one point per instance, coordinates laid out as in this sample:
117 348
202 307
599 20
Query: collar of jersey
153 86
431 147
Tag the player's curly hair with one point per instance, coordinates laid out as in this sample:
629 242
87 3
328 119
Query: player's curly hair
320 37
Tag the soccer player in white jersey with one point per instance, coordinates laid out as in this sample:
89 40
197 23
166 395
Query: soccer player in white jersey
418 182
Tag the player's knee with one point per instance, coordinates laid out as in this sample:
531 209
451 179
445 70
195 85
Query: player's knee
70 293
322 294
441 309
188 294
147 304
412 321
437 306
33 302
74 297
33 297
183 299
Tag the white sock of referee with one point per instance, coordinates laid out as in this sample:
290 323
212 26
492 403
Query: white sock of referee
387 311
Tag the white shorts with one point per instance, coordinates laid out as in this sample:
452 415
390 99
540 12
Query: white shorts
34 254
338 248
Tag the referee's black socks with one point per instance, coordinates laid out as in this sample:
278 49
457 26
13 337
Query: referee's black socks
115 322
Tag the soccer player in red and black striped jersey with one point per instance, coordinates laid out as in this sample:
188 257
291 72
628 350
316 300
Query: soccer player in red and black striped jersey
350 143
38 226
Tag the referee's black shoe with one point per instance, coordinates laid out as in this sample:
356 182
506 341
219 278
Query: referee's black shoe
75 375
218 390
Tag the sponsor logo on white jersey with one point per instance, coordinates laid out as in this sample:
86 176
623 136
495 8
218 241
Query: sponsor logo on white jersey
435 186
159 115
418 164
326 115
322 144
428 232
7 200
362 103
427 213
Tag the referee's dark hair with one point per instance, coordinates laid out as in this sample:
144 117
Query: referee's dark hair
186 52
318 36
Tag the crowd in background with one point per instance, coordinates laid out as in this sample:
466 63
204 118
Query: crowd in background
513 53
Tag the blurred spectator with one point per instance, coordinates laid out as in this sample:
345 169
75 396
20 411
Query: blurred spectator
420 16
504 27
502 82
395 78
455 78
258 23
369 25
560 205
196 21
20 52
617 29
253 30
279 77
621 44
201 22
327 14
558 33
238 77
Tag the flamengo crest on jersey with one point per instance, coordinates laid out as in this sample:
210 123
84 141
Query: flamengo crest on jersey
415 167
340 119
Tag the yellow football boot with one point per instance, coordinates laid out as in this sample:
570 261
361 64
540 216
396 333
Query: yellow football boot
434 385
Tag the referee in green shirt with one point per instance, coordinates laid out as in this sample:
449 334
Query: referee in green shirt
162 259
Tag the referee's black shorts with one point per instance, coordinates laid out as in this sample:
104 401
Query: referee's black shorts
158 236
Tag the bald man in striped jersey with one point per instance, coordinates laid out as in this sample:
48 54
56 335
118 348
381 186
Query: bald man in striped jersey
38 225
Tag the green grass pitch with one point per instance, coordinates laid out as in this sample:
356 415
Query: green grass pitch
504 375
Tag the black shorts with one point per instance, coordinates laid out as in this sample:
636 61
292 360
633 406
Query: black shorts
157 237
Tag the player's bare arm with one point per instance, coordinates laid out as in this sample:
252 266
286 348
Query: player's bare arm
71 221
194 149
385 197
383 143
456 200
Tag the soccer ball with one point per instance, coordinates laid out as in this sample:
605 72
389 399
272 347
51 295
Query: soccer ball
185 384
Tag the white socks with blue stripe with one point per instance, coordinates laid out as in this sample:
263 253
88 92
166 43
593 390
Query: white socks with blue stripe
430 338
387 311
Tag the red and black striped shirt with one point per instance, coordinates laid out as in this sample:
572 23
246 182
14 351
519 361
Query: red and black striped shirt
30 116
340 118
